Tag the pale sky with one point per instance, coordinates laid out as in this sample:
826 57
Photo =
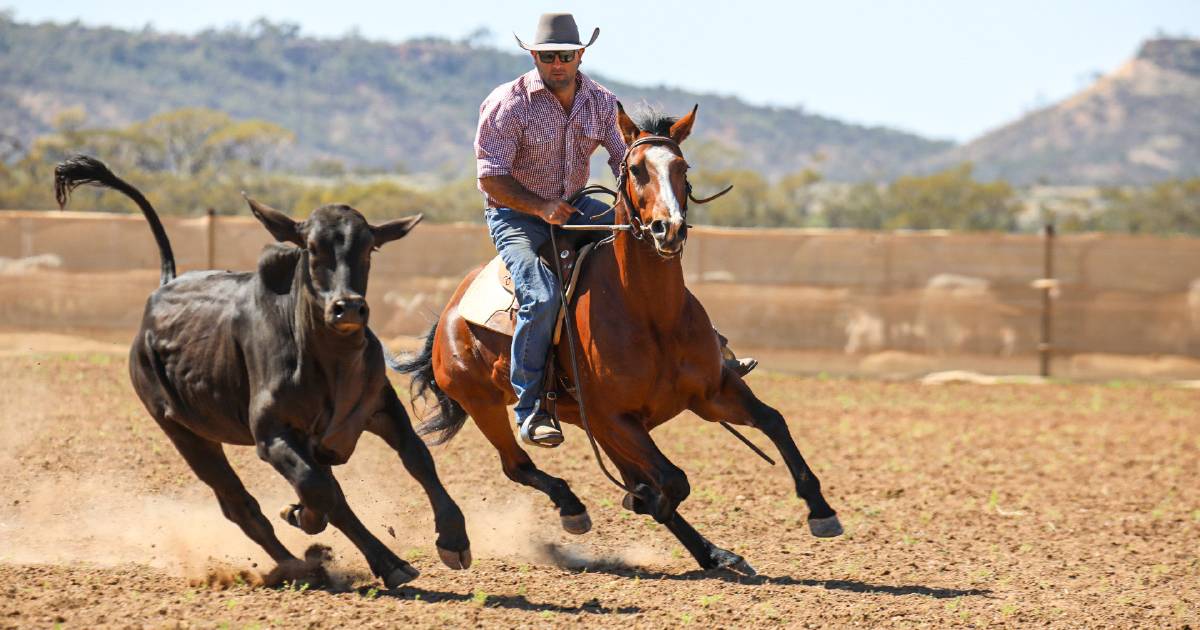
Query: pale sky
941 68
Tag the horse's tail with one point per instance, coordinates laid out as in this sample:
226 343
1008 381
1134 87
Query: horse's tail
450 416
81 169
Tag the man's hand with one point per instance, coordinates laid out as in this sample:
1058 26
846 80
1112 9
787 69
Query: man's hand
510 193
557 211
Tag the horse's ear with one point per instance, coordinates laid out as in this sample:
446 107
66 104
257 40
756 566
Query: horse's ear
393 230
683 127
280 225
629 129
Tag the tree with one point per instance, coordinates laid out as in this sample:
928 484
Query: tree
1170 207
950 200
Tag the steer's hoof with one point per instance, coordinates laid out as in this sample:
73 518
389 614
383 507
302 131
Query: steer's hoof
577 524
456 560
406 573
293 515
827 527
730 561
743 567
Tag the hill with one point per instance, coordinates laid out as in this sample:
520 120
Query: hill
410 106
1136 125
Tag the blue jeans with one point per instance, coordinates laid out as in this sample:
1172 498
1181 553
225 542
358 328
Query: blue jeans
517 237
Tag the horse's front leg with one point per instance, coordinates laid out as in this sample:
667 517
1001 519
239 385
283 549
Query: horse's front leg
660 487
736 403
393 425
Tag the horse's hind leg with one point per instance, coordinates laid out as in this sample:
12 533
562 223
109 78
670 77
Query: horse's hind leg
737 404
492 420
207 459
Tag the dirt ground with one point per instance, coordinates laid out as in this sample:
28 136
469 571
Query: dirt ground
1063 505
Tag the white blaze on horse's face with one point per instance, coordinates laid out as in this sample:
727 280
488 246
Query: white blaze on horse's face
667 224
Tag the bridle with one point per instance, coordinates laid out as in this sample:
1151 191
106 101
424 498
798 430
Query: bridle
635 227
638 229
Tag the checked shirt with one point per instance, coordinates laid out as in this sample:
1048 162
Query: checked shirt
524 132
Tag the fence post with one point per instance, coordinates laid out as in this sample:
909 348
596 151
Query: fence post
1047 284
211 240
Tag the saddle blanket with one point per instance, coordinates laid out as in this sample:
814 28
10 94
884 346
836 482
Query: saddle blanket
491 303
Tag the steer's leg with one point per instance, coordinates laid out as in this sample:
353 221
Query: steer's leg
393 425
737 404
492 420
207 459
662 487
319 491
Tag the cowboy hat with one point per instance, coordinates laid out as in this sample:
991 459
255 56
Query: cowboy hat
557 31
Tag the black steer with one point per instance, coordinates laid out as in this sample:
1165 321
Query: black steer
281 359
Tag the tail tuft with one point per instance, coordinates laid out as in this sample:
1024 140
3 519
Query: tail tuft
81 169
77 171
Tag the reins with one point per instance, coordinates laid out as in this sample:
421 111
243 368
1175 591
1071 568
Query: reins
621 195
637 229
569 324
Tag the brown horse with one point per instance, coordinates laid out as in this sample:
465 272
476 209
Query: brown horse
648 352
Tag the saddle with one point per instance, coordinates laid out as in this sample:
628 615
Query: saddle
490 300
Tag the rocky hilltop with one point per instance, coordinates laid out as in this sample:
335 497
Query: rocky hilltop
1135 125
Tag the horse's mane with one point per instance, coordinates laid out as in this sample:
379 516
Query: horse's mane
655 122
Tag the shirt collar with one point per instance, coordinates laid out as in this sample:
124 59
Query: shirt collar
533 83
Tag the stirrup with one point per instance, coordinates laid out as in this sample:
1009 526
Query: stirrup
539 429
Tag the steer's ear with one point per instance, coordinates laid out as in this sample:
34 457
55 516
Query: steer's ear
393 230
280 225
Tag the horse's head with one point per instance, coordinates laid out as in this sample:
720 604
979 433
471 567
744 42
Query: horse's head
338 242
654 180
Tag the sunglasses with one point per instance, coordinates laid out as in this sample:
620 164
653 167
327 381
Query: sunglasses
564 56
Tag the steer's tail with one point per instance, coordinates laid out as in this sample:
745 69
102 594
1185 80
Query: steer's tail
81 169
450 416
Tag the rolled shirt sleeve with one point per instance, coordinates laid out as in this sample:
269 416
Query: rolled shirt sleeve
497 137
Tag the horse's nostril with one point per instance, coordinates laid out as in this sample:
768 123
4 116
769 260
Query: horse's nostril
658 227
339 309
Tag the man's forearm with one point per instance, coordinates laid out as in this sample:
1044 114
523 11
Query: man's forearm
510 192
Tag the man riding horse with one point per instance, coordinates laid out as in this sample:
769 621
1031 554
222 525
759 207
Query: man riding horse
535 138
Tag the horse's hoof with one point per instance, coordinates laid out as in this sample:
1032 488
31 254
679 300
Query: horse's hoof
406 573
827 527
456 560
577 524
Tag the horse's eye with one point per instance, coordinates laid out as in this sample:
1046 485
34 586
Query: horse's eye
638 171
